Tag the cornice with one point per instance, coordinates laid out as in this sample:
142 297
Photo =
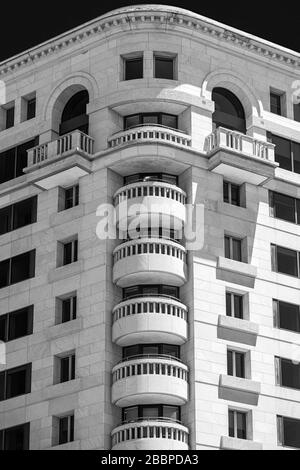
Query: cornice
152 15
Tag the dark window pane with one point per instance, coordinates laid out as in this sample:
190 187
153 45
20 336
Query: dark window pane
169 120
291 433
4 273
298 210
164 67
18 381
7 165
231 424
290 374
296 157
2 386
297 112
230 363
289 316
66 310
287 261
150 119
237 250
10 117
241 426
235 195
130 414
228 305
171 412
227 248
283 152
5 220
17 438
226 192
132 121
134 68
150 412
22 267
24 213
284 207
171 350
3 326
31 108
20 323
66 369
240 365
63 430
238 307
276 103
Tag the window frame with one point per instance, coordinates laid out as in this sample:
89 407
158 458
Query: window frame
230 187
230 255
232 363
168 57
280 431
136 56
71 368
9 263
296 208
7 321
274 260
4 378
26 436
280 97
11 210
70 429
235 420
279 361
277 317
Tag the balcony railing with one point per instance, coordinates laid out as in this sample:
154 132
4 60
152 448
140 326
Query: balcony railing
150 133
152 429
227 139
75 141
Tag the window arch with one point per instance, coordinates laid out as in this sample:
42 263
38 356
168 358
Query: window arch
74 115
229 111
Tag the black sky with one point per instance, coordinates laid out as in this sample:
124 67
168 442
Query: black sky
28 23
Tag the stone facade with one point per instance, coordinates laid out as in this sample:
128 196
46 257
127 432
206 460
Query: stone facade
208 55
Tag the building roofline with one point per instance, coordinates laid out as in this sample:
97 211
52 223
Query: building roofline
174 15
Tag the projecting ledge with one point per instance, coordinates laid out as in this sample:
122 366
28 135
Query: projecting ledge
236 272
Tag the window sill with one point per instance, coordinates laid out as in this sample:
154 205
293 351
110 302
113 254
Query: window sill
231 443
60 274
239 390
236 330
236 272
64 329
66 216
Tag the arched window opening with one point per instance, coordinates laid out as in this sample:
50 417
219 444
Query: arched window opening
74 116
229 111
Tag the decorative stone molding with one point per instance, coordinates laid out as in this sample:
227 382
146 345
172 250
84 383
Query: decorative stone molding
152 15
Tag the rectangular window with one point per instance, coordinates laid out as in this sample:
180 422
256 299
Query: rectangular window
231 194
10 117
67 368
31 109
286 316
233 248
66 429
236 364
288 432
16 438
164 66
276 103
238 424
17 324
287 153
285 261
71 197
234 305
13 161
284 207
17 269
68 309
297 112
288 373
70 252
18 215
133 67
15 382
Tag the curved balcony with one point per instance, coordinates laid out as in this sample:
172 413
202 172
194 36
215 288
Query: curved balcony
150 379
146 260
152 134
151 434
146 320
153 198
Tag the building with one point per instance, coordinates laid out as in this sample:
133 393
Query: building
150 342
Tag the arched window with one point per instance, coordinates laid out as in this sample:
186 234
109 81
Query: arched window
229 111
74 115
